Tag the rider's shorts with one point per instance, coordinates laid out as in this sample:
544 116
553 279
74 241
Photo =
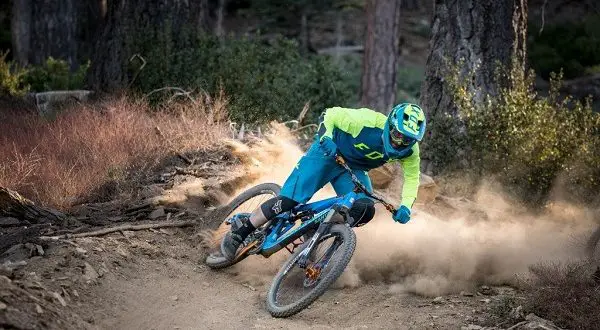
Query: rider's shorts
314 171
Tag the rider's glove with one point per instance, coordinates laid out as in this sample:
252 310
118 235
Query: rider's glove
328 146
402 215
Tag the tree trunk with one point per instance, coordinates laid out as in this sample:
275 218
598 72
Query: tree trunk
304 32
13 205
482 33
135 26
219 30
61 29
339 34
380 60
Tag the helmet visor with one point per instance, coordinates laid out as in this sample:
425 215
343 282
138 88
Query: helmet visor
397 139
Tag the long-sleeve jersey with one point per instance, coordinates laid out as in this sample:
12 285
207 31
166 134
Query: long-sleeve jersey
358 134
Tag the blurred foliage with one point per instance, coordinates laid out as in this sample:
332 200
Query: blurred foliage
283 13
573 47
11 78
409 78
53 75
531 143
264 80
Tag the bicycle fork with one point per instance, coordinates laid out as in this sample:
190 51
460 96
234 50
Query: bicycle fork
323 228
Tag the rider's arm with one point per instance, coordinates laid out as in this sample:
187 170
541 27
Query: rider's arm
412 172
350 121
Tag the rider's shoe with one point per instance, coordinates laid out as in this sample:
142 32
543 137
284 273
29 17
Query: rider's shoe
240 229
229 245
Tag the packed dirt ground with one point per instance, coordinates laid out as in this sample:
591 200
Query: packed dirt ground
449 268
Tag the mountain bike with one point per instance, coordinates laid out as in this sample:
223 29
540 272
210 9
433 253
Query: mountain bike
304 232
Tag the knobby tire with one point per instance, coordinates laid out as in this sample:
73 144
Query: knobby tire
347 249
261 189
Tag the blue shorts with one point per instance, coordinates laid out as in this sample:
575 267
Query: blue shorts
314 171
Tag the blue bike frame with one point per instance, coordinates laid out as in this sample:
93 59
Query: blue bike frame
280 234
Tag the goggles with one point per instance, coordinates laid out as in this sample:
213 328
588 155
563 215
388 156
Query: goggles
398 139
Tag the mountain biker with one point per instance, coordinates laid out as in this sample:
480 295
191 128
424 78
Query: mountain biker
366 139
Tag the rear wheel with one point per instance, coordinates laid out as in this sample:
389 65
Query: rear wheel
246 202
295 288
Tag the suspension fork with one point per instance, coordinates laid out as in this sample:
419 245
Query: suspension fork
324 227
342 208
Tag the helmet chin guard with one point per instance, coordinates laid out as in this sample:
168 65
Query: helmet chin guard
405 126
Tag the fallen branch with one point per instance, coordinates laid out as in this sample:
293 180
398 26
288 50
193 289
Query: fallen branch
130 227
13 205
179 92
516 326
303 113
144 205
543 16
139 70
303 127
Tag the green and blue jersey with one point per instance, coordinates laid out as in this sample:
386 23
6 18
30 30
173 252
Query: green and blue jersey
358 136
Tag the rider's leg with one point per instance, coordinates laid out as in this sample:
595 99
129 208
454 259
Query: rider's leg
312 172
363 209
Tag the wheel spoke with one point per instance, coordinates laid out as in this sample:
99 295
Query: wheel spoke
298 281
246 202
294 288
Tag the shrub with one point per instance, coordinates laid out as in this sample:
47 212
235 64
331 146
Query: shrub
11 78
500 310
529 142
264 81
572 46
60 162
55 74
565 294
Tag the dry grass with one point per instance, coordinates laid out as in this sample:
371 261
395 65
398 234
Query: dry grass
566 294
57 162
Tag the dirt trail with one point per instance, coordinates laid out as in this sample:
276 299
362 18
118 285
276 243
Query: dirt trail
177 293
443 270
395 275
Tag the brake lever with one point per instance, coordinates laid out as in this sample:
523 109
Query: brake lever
340 160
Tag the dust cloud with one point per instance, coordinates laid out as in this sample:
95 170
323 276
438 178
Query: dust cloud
431 255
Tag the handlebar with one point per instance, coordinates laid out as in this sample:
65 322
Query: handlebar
341 161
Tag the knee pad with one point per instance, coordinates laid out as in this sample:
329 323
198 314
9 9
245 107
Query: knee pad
277 205
362 211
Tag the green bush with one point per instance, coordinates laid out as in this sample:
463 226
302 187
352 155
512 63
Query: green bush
572 47
11 78
55 75
565 293
530 143
263 81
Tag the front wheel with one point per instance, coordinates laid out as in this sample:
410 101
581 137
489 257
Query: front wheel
246 202
295 288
